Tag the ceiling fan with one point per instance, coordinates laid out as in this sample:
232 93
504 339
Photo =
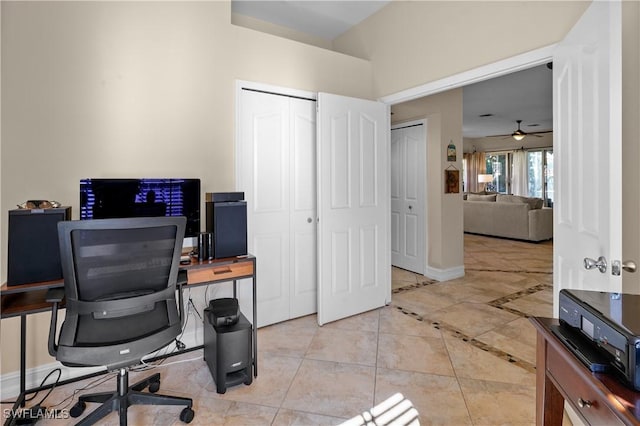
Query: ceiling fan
520 134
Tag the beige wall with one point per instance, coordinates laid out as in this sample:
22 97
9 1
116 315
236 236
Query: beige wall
101 89
631 141
414 42
89 88
444 211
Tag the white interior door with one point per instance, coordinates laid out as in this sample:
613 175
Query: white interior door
276 170
407 196
303 248
587 148
354 262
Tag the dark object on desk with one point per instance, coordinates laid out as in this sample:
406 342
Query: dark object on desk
227 219
120 287
205 246
227 352
33 253
224 311
611 322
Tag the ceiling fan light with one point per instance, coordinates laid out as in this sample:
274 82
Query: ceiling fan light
518 136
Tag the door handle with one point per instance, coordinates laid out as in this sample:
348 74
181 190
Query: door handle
629 266
601 264
410 207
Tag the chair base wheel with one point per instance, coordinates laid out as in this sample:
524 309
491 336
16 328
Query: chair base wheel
78 409
154 387
186 415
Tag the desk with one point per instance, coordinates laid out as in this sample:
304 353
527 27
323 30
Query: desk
599 398
25 299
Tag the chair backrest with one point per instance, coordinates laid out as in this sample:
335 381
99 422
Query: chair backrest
120 283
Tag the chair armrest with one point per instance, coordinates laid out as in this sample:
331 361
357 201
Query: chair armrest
181 281
54 296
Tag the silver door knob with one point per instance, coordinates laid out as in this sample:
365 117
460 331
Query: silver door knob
600 264
629 266
309 220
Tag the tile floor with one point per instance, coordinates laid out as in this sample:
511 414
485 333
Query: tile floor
462 351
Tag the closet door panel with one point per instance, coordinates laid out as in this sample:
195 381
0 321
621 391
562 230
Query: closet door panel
304 287
264 157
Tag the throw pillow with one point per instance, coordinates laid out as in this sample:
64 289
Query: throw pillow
476 197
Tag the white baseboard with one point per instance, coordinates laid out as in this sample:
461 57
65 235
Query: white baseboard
10 382
444 274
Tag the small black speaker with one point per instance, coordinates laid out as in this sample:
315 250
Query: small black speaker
228 223
33 254
227 352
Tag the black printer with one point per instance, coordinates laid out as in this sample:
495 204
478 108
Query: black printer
610 322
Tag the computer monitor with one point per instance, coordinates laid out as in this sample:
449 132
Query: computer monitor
106 198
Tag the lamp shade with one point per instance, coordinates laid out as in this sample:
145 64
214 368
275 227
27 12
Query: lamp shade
485 178
518 136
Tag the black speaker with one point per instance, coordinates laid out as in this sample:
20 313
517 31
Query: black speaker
34 254
228 223
227 352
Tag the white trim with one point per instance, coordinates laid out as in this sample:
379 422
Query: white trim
10 382
444 274
485 72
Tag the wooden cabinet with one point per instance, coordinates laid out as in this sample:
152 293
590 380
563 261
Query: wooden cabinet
600 399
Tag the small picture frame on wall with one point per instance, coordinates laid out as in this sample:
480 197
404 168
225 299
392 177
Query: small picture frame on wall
451 152
451 181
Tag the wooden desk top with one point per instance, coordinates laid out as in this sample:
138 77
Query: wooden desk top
30 298
607 388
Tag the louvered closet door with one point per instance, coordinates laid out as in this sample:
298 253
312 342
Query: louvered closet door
276 161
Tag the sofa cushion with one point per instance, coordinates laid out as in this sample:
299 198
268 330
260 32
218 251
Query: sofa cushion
534 203
476 197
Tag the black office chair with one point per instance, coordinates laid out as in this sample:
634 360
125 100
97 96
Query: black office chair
120 288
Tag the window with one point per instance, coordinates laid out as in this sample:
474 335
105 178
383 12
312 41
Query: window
497 164
540 175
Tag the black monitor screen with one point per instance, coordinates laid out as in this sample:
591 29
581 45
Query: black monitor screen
118 198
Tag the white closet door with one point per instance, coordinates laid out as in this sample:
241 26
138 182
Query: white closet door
264 177
354 261
408 216
276 170
303 300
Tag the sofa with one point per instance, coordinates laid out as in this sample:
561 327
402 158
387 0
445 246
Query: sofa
508 216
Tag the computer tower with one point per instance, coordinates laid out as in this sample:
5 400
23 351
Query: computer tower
227 220
227 352
33 253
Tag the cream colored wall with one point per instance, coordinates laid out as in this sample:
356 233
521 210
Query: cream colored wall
444 211
631 141
120 89
414 42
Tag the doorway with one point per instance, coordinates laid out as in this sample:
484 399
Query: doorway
411 98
